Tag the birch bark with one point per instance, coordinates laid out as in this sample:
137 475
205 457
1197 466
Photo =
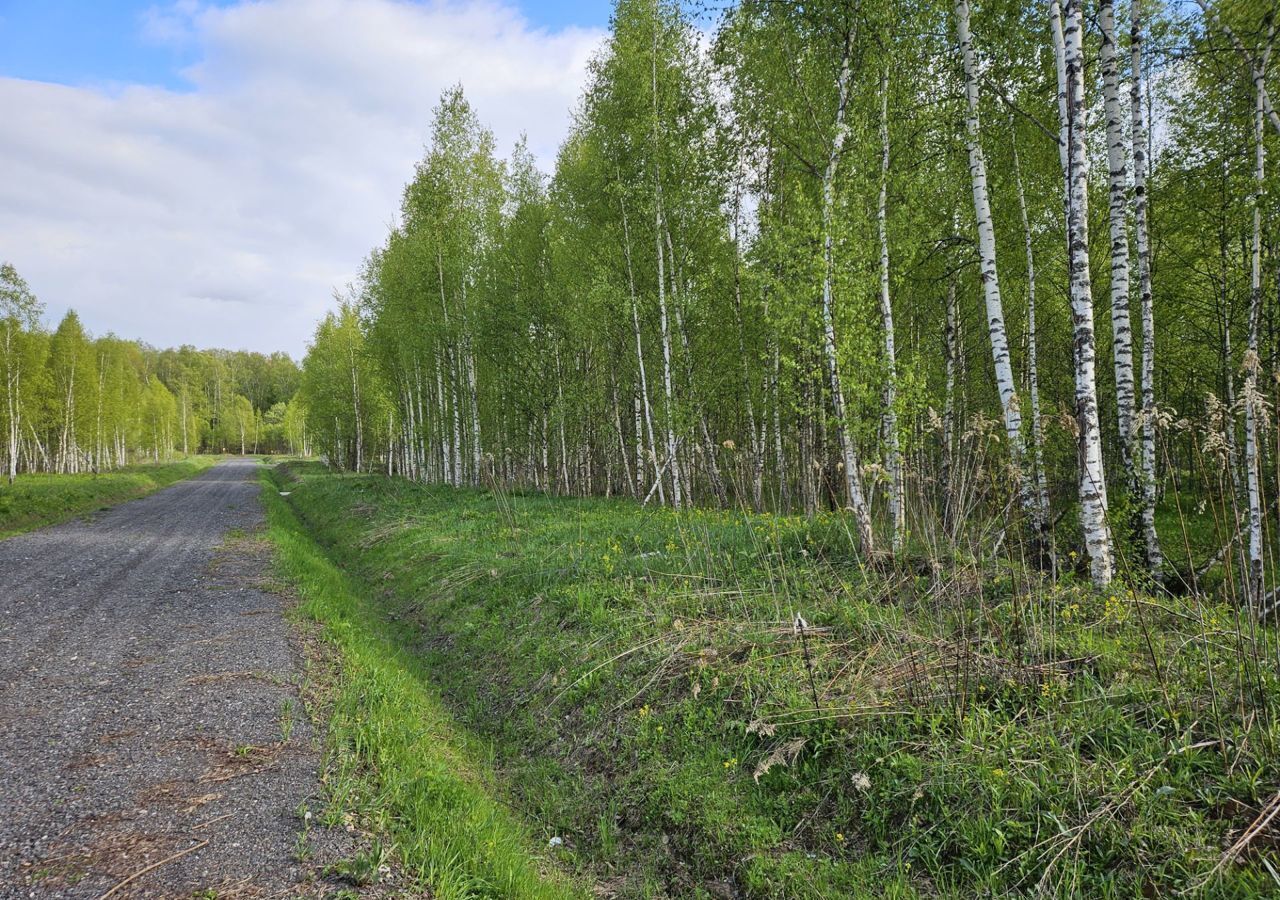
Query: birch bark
644 378
1093 486
1252 450
11 389
889 422
1121 326
673 461
1147 466
1033 367
991 281
849 456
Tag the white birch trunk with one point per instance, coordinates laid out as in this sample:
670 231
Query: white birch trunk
673 462
1121 326
99 437
644 378
477 448
1093 486
566 486
779 450
638 488
15 423
70 449
1033 367
11 390
473 392
849 456
1147 463
1252 399
889 422
757 437
622 439
355 403
446 457
997 334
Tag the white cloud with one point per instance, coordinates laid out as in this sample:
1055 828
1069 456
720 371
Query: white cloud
225 215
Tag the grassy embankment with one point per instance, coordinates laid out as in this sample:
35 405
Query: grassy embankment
35 501
635 683
397 761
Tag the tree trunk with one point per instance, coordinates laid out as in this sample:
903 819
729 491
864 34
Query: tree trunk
359 416
757 438
644 378
779 450
1147 467
1121 327
673 461
1033 368
1252 363
951 347
889 420
477 448
1005 383
849 456
1093 486
11 390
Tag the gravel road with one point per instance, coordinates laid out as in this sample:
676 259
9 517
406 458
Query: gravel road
149 705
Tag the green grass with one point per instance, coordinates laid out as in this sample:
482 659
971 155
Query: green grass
397 759
35 501
953 730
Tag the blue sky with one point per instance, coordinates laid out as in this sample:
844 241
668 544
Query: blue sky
211 171
105 42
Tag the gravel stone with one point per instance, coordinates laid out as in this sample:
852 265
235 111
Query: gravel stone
147 680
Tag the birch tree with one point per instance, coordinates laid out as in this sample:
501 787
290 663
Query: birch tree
1117 172
20 311
893 453
1253 362
996 332
848 453
1033 356
1138 137
1093 486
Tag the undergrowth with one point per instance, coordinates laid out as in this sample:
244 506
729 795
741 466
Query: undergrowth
396 757
37 500
717 704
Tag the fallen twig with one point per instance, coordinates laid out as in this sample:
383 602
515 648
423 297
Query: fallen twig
151 868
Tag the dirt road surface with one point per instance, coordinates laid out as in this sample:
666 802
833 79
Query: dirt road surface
149 705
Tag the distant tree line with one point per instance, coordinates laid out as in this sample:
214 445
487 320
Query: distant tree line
75 403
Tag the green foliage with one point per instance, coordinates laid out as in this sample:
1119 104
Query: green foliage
340 394
649 309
